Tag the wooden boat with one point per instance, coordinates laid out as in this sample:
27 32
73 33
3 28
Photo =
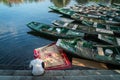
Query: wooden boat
116 4
102 26
88 9
114 40
110 39
69 12
98 11
91 50
86 17
55 8
92 18
90 29
51 30
64 11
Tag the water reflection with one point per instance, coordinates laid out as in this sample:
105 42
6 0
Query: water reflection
57 3
64 3
81 1
102 1
42 36
86 1
10 3
61 3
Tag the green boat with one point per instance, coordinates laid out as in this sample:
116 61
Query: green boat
95 10
114 6
102 26
84 17
88 17
104 13
80 18
70 12
91 50
101 29
50 30
64 11
110 39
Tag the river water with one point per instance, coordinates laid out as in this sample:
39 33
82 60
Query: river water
17 42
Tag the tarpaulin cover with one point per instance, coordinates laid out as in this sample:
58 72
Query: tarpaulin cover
53 56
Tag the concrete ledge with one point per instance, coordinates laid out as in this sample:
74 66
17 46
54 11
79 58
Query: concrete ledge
60 72
95 77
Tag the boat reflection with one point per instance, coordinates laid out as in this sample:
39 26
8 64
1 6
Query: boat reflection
37 34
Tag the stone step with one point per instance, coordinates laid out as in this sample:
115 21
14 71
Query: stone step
60 72
89 77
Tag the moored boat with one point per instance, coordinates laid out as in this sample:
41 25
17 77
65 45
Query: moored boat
102 26
104 13
80 18
110 39
114 40
90 29
86 17
50 30
64 11
116 4
91 50
69 12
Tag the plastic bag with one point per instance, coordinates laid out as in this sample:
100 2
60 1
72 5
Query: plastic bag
37 67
